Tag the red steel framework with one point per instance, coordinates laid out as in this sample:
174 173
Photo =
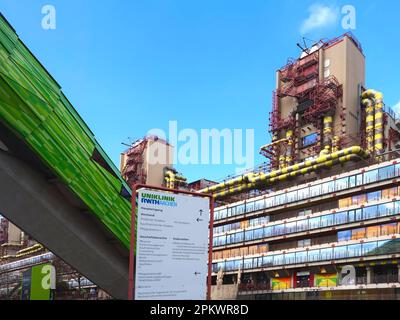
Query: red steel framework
134 172
135 188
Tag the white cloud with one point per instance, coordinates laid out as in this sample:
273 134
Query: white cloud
396 107
320 16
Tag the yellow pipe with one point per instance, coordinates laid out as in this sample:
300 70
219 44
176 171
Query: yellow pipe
258 177
249 186
289 150
373 101
327 135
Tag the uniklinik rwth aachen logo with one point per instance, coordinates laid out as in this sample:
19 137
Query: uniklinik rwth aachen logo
157 199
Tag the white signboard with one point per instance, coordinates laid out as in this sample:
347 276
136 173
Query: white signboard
172 246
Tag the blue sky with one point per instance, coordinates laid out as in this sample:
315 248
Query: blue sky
129 66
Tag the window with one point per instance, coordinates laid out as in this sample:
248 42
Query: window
268 231
315 190
386 209
301 257
339 252
344 235
358 214
314 222
371 176
386 172
354 250
258 233
341 217
374 196
326 254
302 225
248 263
290 258
313 255
328 187
279 229
267 261
357 234
327 220
278 259
259 204
341 184
291 196
290 227
304 243
370 212
309 140
368 248
249 235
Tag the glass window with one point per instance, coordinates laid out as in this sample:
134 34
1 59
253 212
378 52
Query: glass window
369 248
291 196
238 236
371 176
290 227
357 234
341 217
269 202
301 257
344 235
326 254
341 184
352 181
354 250
278 259
309 140
250 206
280 199
386 209
248 263
386 172
351 215
315 190
374 196
258 233
397 170
314 222
267 261
327 220
370 212
304 243
279 229
339 252
313 255
268 231
249 235
303 193
328 187
290 258
259 204
359 214
302 225
388 229
359 179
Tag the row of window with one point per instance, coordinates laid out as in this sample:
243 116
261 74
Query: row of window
360 199
332 219
356 180
27 262
313 255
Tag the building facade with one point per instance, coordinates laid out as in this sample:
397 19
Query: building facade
324 221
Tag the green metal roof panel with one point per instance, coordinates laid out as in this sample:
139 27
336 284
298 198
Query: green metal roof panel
33 105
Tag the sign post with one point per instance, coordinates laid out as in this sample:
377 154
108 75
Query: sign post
171 240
